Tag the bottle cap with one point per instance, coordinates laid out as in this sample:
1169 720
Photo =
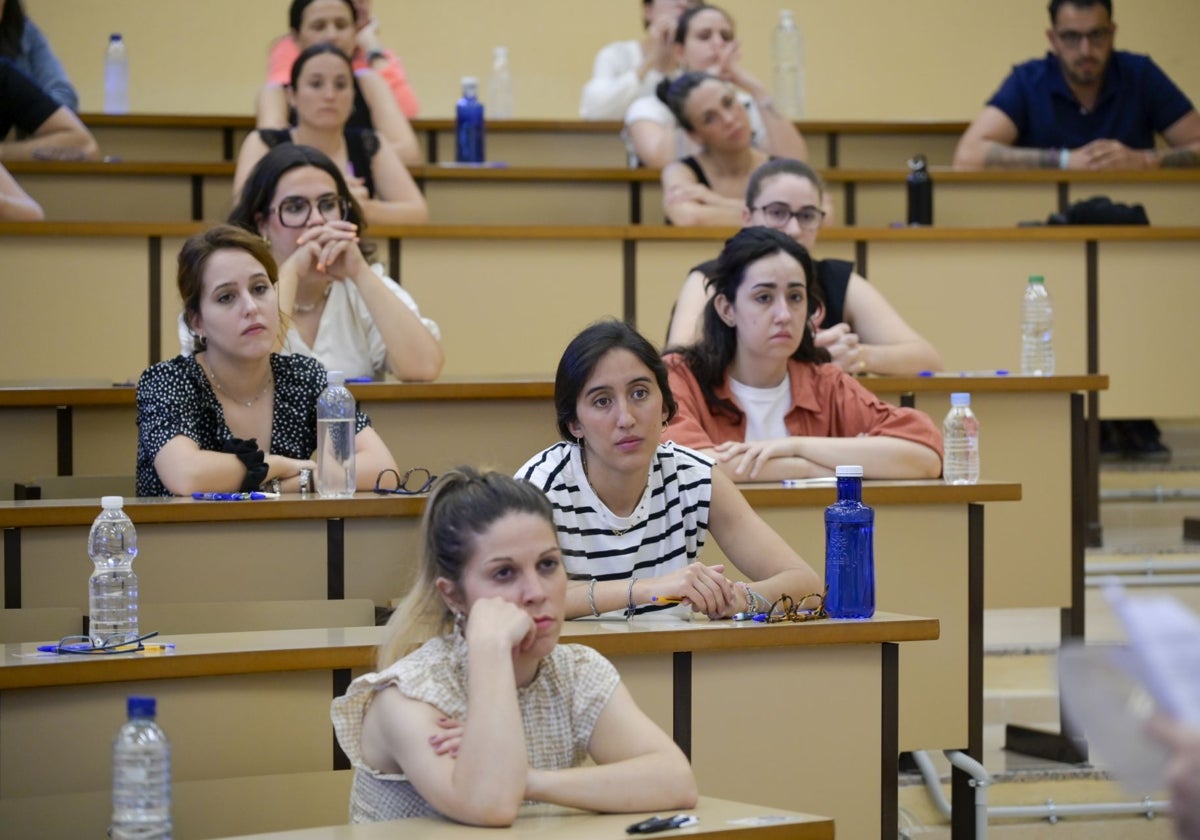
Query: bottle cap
501 52
116 36
785 15
918 163
847 471
140 706
960 398
335 377
1036 278
470 85
112 502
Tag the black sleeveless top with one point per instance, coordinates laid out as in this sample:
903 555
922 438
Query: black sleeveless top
361 146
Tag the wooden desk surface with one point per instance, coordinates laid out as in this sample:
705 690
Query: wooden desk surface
541 821
45 513
645 233
276 651
34 394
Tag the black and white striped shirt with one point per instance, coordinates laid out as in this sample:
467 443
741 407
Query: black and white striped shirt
664 533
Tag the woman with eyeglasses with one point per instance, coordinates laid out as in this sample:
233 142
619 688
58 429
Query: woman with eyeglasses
705 43
474 706
632 512
235 415
861 331
754 392
338 306
322 92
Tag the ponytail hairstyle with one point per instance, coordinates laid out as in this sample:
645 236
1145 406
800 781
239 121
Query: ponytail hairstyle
463 504
709 358
674 93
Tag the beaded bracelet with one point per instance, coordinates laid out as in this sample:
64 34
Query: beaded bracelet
592 597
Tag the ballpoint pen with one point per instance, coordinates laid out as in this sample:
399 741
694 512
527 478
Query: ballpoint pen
662 824
254 496
665 599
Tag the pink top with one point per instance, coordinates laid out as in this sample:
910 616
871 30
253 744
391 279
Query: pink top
285 51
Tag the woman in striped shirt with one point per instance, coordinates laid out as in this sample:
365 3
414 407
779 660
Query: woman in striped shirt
632 512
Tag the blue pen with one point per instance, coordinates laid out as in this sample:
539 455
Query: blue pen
746 616
360 379
234 497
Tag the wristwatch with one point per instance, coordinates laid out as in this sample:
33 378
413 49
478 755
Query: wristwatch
374 54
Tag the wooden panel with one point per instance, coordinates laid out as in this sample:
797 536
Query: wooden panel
464 202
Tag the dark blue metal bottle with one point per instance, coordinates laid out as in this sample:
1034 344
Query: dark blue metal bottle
920 192
850 550
468 146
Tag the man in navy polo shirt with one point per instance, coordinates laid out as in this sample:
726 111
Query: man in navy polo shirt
1083 106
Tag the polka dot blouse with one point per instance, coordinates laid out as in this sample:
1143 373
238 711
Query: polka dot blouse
175 398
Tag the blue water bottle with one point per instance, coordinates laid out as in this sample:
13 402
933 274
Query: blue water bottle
468 146
849 550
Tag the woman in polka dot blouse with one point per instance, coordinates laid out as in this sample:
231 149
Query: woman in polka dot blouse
235 415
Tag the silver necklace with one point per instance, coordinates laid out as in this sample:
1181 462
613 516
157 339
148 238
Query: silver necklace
638 514
248 403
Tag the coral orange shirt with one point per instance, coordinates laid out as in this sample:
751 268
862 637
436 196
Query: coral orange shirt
285 51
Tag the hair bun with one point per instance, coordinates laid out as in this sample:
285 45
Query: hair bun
662 89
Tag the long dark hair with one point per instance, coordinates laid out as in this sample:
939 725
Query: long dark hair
259 189
12 27
674 93
709 358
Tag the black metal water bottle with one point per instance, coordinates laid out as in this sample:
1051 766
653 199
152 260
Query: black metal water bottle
920 192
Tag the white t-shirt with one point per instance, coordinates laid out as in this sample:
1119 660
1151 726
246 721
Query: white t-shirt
615 83
765 408
347 337
653 109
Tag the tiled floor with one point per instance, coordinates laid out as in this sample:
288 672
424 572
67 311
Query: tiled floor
1021 645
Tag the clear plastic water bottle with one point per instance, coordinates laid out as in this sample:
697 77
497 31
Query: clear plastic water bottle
787 64
500 86
469 128
141 780
113 587
960 437
335 439
849 549
920 192
1037 329
116 76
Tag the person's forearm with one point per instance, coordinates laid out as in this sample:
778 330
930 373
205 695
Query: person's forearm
879 456
999 156
776 469
412 211
783 138
722 213
904 358
491 769
645 783
20 208
272 110
200 471
796 582
413 352
1182 157
57 145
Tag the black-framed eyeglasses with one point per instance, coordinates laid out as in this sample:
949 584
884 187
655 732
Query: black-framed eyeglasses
778 214
87 645
809 607
295 211
1074 40
411 483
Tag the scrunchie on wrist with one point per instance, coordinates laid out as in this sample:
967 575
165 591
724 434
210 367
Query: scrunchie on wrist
252 457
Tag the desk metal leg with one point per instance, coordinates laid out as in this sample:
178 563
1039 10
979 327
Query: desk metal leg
962 820
63 416
889 761
681 703
335 553
12 568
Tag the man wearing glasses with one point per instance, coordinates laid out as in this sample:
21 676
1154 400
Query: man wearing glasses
1084 106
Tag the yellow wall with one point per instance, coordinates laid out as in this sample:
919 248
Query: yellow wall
865 59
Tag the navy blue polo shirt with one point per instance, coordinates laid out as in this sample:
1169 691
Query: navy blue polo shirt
1136 101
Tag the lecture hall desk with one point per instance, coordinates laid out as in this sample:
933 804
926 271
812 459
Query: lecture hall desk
481 282
268 693
929 548
541 194
717 818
